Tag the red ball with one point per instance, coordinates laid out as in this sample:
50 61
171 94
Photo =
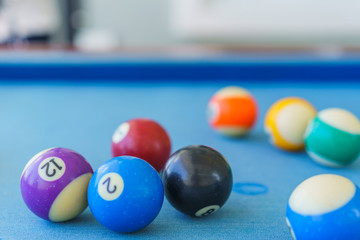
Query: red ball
142 138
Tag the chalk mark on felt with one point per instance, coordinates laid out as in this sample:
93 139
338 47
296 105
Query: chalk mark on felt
250 188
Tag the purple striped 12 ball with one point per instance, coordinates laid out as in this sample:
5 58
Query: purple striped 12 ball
54 184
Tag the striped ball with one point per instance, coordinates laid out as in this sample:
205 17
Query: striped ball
232 111
333 137
325 206
286 122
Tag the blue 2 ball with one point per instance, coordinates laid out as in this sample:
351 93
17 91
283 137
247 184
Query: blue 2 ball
125 194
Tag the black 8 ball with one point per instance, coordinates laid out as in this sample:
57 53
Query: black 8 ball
197 180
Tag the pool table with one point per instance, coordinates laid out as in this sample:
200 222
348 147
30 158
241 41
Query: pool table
77 101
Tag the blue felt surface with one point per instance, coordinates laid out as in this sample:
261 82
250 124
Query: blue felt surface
83 117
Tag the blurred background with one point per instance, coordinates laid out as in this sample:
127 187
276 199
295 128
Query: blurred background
106 25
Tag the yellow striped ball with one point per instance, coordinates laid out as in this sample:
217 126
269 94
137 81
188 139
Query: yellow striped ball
286 122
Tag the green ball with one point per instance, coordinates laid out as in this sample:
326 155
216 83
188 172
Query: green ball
332 138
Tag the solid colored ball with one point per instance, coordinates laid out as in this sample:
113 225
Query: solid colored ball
232 111
197 180
286 122
142 138
325 206
125 194
333 138
54 184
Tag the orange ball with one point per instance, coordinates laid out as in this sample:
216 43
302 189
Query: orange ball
232 111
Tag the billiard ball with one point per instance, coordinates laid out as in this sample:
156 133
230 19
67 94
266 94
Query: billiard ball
125 194
54 184
232 111
333 137
286 122
197 180
325 206
142 138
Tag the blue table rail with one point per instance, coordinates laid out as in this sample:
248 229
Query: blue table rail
165 67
